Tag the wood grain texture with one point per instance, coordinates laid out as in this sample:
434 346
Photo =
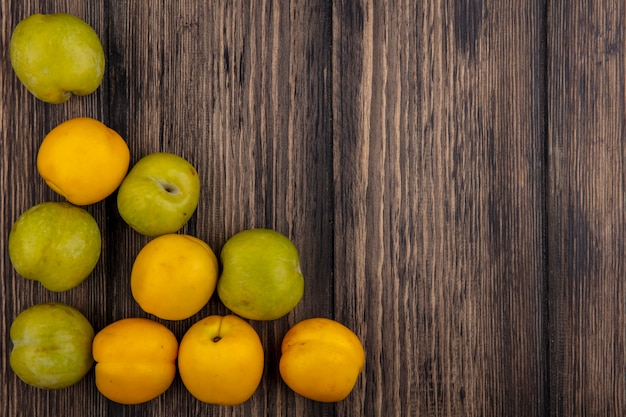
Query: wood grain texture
586 208
438 204
451 171
242 91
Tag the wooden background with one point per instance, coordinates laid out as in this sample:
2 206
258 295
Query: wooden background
451 171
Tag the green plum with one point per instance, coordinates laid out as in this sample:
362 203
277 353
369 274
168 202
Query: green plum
51 345
57 55
159 194
261 277
55 243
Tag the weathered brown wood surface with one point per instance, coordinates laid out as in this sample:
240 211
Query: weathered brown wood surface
451 171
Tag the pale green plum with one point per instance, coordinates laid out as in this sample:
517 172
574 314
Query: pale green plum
261 277
159 195
57 55
55 243
51 345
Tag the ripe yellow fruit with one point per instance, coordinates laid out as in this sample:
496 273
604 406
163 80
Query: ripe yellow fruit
174 276
83 160
221 360
321 359
135 360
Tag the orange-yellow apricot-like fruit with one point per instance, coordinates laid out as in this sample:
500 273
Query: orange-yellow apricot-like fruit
135 360
83 160
221 360
174 276
321 359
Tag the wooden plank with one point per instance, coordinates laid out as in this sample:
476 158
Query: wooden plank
241 89
438 125
409 168
24 121
586 208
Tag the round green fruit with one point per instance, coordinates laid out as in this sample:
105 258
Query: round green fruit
51 346
57 55
261 277
159 195
55 243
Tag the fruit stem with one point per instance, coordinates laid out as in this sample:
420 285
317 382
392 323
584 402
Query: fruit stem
219 331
